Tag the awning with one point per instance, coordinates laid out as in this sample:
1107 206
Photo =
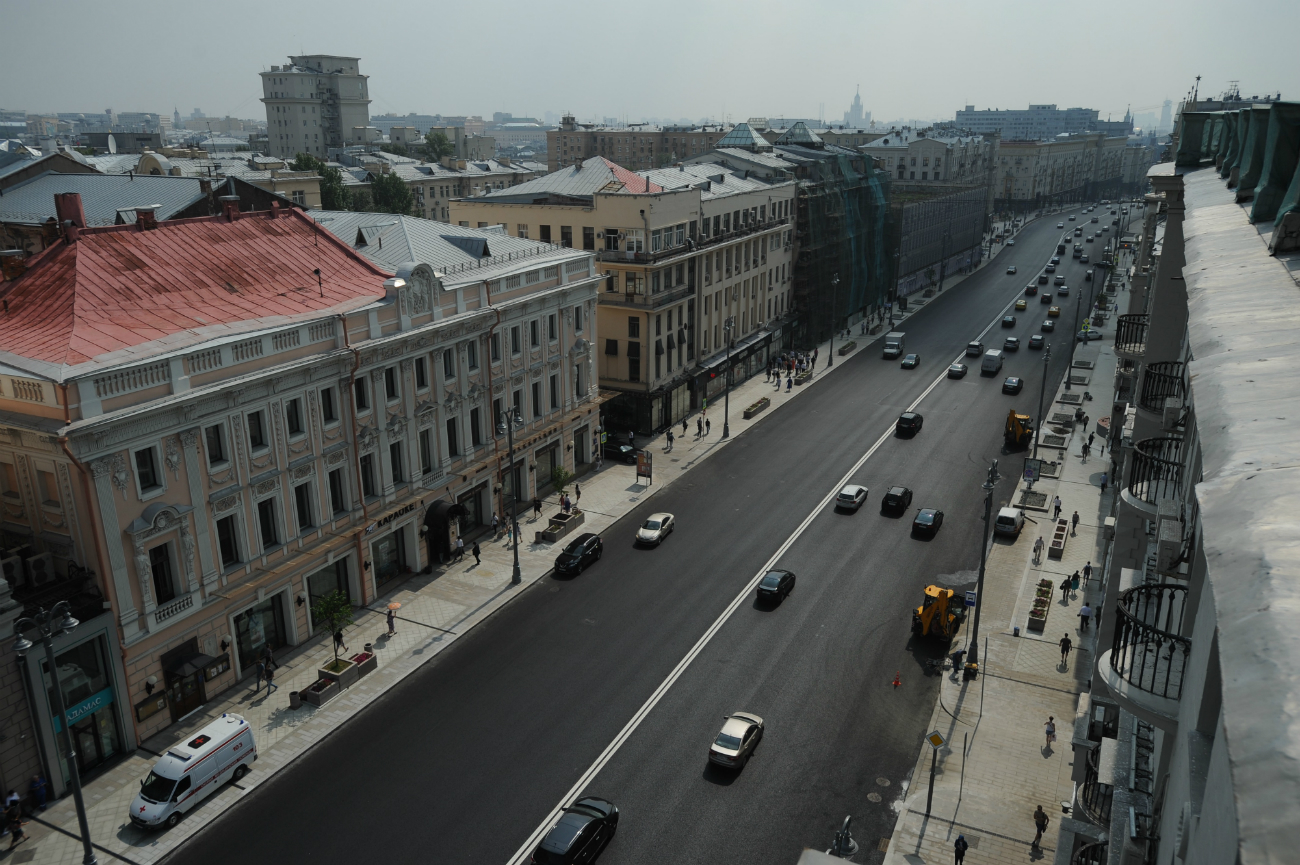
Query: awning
188 665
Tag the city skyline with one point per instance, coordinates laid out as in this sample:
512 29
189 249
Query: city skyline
895 81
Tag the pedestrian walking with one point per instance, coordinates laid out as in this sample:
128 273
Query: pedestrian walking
959 848
510 533
261 674
392 622
14 819
1066 645
268 658
37 788
1104 480
537 507
460 549
1085 615
1074 523
496 526
1056 503
789 385
1084 452
1038 549
707 425
630 438
338 641
1040 821
577 492
475 552
670 441
1065 590
699 426
1087 571
1091 436
683 426
1074 585
270 682
1050 729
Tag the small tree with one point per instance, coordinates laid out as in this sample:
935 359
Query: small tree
437 145
335 612
560 477
395 149
392 195
929 274
333 194
362 201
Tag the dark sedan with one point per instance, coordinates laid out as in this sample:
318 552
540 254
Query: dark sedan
776 585
896 500
1036 341
1008 321
1013 384
584 830
912 361
621 452
927 521
909 423
580 552
1031 289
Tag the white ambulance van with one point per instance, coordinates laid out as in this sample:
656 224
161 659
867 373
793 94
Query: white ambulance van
192 770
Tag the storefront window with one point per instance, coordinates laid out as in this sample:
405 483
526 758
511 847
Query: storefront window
389 556
474 503
257 628
326 582
88 699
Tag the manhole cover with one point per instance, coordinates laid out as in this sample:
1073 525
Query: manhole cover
1033 500
1054 441
883 782
873 797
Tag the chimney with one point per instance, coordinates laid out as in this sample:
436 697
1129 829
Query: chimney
275 210
145 217
70 214
12 264
230 206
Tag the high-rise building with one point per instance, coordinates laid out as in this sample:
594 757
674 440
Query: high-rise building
855 117
1166 117
314 103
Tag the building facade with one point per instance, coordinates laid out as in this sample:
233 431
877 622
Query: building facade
926 156
274 418
1033 174
637 147
1035 123
313 103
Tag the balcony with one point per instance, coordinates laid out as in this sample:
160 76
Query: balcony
1095 853
691 246
1155 472
1160 381
1131 335
652 301
1096 792
1148 655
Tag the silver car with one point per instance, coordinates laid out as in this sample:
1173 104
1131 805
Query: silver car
737 740
851 497
655 529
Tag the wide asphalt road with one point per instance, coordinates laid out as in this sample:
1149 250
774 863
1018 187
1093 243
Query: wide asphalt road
464 760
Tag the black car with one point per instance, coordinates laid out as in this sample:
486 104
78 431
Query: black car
582 833
775 585
1036 341
1042 279
1011 343
927 521
1046 297
1013 384
909 423
624 453
580 552
1031 290
897 499
1050 268
1008 321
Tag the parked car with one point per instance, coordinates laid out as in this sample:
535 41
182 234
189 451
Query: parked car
909 423
1011 343
585 829
578 553
1011 269
1087 335
655 529
1036 341
1022 305
193 769
927 521
1048 326
911 361
1008 321
623 453
896 500
776 585
735 744
1010 521
1013 384
851 497
957 370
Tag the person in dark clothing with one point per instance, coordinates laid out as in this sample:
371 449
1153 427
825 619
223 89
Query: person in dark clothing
338 641
959 848
1066 645
537 507
475 551
1040 821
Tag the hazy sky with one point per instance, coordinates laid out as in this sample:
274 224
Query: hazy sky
670 58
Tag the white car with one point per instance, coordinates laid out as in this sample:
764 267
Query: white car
1011 243
735 743
1011 269
851 497
655 529
1060 225
1072 217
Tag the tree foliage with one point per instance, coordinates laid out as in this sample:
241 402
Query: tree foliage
560 477
437 145
333 194
391 195
333 611
395 149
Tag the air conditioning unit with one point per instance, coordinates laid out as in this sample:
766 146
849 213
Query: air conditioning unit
12 568
42 569
1169 546
1173 413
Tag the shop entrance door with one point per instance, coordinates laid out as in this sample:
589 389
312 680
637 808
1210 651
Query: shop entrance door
184 693
86 738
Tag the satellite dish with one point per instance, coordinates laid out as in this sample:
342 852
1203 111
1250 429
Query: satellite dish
112 143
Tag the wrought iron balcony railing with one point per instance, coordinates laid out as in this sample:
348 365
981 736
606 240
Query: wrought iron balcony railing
1131 333
1148 650
1090 854
1095 796
1156 470
1159 381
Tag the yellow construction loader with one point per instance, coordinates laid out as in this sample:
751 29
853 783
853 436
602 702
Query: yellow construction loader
940 614
1019 432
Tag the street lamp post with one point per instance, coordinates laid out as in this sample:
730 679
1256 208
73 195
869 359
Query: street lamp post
1042 390
830 353
972 667
726 393
48 628
506 423
1074 337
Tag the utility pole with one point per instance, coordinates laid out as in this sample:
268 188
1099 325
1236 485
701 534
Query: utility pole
830 353
506 424
1042 391
726 393
972 659
1074 337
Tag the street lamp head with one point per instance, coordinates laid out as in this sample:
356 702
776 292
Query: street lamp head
22 646
68 624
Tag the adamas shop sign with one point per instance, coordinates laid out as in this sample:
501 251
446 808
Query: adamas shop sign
86 708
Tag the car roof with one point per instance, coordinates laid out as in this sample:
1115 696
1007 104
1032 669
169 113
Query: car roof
736 726
1009 512
852 488
897 491
928 511
909 414
561 836
660 516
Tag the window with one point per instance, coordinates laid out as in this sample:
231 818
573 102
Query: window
497 408
453 437
517 398
327 408
588 237
634 327
160 567
426 452
546 233
338 494
421 373
448 363
494 345
537 399
146 469
266 522
634 361
395 462
390 383
47 488
475 427
362 397
577 318
552 333
216 444
302 507
368 475
293 417
521 230
228 542
534 333
516 345
555 392
471 354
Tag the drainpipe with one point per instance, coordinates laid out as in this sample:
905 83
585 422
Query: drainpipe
356 460
109 588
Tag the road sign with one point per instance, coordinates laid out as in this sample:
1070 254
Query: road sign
1033 469
936 740
645 466
970 599
604 437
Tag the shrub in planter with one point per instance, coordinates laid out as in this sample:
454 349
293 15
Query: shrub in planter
757 407
846 348
321 692
340 670
365 662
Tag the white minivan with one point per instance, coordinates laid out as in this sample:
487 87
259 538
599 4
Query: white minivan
992 362
1009 522
192 770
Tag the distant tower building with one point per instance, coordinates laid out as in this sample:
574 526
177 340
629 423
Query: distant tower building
1166 120
855 117
177 123
317 102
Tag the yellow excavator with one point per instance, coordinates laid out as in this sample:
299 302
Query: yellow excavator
940 614
1019 432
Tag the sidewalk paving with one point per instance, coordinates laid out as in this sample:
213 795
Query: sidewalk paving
997 765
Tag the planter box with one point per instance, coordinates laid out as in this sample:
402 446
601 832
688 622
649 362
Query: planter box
803 377
1036 624
847 347
875 329
321 693
345 677
756 408
365 662
1060 533
561 525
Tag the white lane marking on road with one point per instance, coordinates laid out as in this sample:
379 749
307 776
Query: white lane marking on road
525 851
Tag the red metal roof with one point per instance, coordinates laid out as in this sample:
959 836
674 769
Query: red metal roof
119 286
631 180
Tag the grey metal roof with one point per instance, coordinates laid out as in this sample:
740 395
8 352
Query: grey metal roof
744 137
798 134
579 181
713 180
102 196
